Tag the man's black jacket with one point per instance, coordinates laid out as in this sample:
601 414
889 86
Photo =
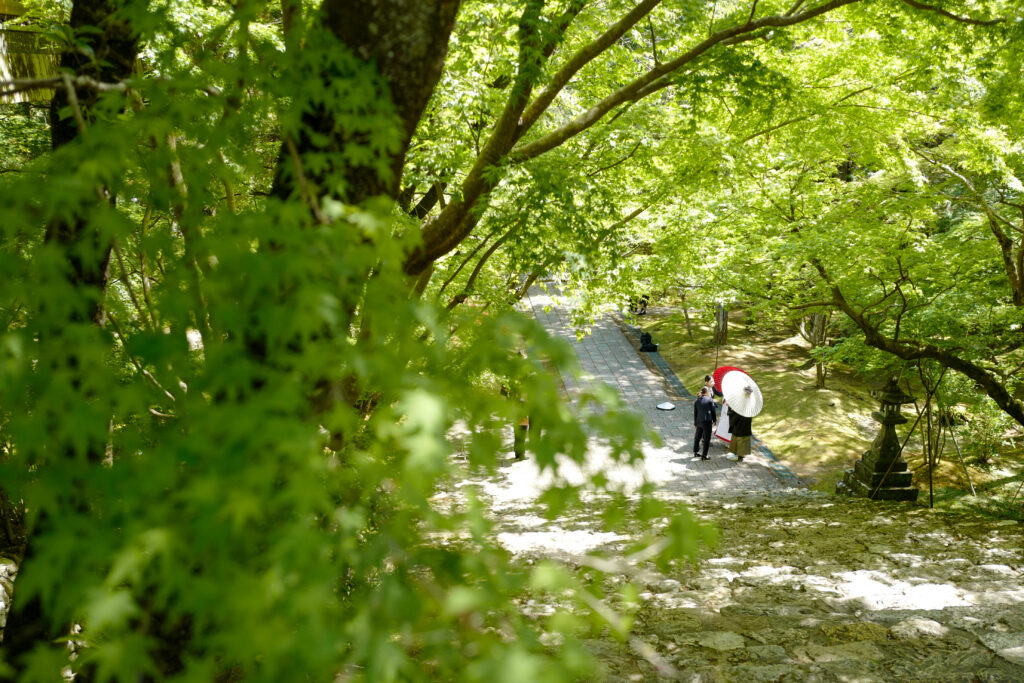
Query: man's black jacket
704 410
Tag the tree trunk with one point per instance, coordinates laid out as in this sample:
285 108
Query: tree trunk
721 334
814 329
819 325
406 41
401 45
686 315
114 49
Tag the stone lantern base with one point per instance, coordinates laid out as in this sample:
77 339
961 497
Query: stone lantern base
896 486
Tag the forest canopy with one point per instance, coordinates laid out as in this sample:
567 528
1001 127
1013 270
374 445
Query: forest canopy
260 261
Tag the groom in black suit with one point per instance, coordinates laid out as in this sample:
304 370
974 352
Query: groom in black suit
704 421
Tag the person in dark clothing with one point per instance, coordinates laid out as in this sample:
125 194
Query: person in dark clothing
520 427
638 305
713 392
521 431
646 343
704 420
740 428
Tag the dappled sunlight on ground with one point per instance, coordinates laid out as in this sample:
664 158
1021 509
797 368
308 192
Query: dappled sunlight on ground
792 593
522 482
557 541
802 585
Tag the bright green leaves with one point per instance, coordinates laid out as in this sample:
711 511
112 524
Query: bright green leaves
245 468
421 433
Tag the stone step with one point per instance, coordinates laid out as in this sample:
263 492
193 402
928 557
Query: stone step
856 487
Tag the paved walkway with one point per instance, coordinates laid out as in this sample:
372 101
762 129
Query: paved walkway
608 356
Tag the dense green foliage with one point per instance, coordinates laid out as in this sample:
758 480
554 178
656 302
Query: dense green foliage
235 336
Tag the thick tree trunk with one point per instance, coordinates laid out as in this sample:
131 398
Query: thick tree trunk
114 48
406 41
401 46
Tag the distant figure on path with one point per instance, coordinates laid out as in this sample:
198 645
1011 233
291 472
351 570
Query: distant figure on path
521 427
522 430
638 305
704 421
647 343
739 445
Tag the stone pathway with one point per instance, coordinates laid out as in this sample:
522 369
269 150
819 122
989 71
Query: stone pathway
608 356
805 586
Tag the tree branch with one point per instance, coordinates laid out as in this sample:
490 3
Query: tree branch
300 177
811 304
623 160
468 288
444 232
465 262
836 103
753 8
430 198
1013 271
147 293
632 90
177 182
654 42
457 220
583 56
916 350
950 15
17 85
127 282
138 366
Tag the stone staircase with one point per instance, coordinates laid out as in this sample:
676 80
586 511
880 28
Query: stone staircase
812 587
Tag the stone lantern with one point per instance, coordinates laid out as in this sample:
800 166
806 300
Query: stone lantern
881 473
24 54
